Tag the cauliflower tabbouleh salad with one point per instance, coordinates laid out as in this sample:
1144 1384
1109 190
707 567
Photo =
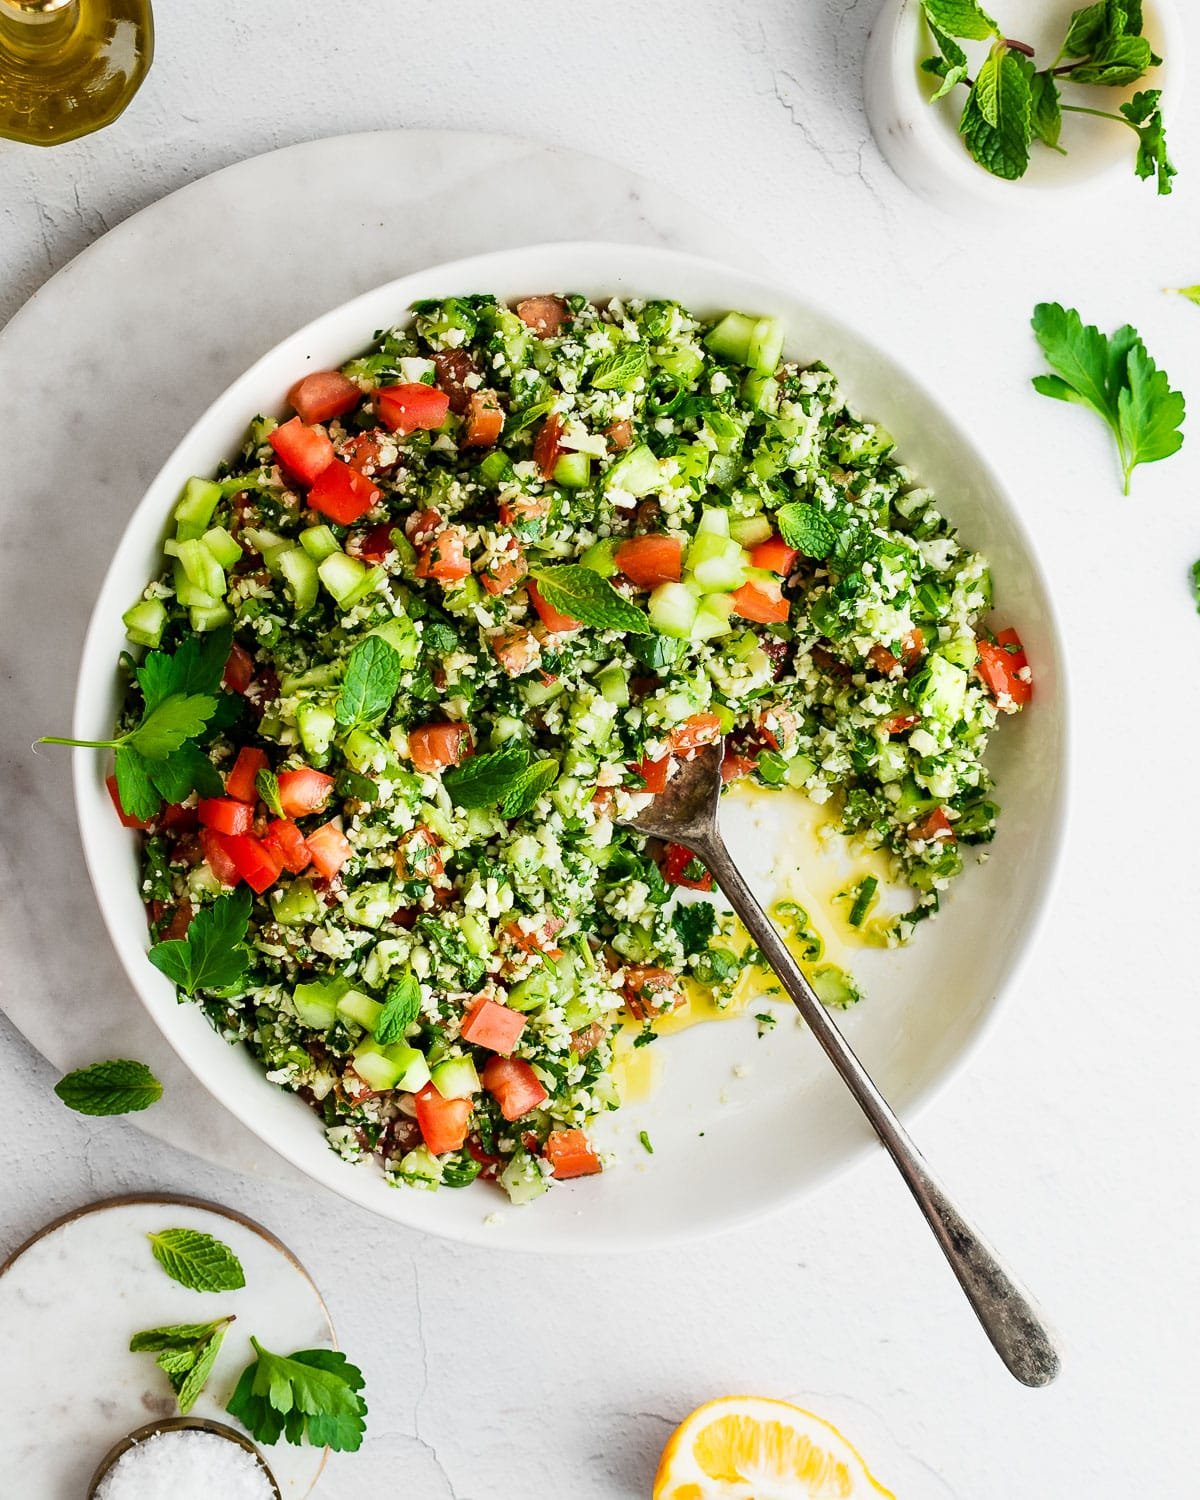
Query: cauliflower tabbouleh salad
417 652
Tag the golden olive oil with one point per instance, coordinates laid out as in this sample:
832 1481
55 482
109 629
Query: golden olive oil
68 67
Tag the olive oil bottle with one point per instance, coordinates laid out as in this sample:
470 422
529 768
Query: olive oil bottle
68 67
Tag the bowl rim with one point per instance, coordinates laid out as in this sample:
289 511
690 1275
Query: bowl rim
337 1175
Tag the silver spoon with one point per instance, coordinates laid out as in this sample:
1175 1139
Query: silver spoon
686 813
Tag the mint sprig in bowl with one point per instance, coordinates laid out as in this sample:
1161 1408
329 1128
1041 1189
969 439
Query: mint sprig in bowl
1065 116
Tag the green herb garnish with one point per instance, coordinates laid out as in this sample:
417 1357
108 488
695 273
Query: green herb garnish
119 1087
644 1137
400 1010
502 778
585 596
186 1353
197 1260
369 683
807 528
312 1393
212 955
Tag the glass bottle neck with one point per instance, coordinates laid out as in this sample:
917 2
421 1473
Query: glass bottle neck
28 26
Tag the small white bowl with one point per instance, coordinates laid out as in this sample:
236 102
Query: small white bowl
920 139
726 1149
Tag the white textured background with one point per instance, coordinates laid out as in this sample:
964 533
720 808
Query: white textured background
1073 1136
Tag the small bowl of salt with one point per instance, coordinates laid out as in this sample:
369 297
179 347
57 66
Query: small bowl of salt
186 1458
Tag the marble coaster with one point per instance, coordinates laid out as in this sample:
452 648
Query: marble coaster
104 370
71 1298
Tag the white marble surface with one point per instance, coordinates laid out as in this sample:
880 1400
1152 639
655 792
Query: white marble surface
1073 1136
72 1300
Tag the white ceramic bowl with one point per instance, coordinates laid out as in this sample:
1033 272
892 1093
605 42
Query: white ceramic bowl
726 1148
921 142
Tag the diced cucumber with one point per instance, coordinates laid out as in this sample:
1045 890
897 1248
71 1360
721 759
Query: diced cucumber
692 460
962 650
366 751
196 505
613 682
296 904
475 935
316 725
534 992
731 337
913 802
300 574
715 520
940 691
712 618
455 1078
375 1068
761 391
414 1070
222 545
495 470
262 540
316 1003
210 617
536 693
682 362
145 622
369 905
319 542
717 563
522 1179
800 768
202 569
186 591
748 531
765 348
401 635
673 609
600 557
573 471
834 986
420 1168
461 598
347 579
893 762
361 1009
637 472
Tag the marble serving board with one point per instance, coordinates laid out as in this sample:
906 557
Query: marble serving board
71 1299
103 371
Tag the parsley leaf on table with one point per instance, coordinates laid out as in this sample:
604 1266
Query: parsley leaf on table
400 1010
211 955
1114 376
1142 112
585 596
119 1087
186 1354
313 1392
197 1260
369 684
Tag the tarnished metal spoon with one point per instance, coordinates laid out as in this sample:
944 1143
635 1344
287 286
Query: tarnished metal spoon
686 813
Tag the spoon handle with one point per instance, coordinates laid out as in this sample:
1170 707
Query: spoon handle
1007 1315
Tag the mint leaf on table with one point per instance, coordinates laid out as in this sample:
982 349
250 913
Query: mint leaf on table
1088 28
585 596
807 528
312 1393
1116 378
119 1087
485 780
186 1355
962 18
369 683
527 786
197 1260
997 119
1119 61
400 1009
212 955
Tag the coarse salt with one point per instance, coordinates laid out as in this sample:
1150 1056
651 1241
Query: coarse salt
186 1465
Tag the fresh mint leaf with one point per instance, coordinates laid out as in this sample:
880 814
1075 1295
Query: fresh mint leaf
400 1010
961 18
621 369
186 1355
997 124
119 1087
1192 293
590 599
1144 115
369 684
266 784
807 528
212 954
1087 30
485 780
952 67
1046 109
527 786
314 1392
1119 61
197 1261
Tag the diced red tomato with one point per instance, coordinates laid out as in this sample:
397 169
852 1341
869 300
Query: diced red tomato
514 1086
454 368
330 849
239 669
700 729
620 435
240 782
421 526
654 773
545 315
651 991
682 867
217 856
286 839
505 569
485 420
225 815
445 557
376 546
887 662
523 509
999 665
255 862
303 791
342 493
778 727
516 649
650 560
303 451
898 723
492 1025
882 660
553 619
761 601
775 556
433 747
413 407
914 645
177 818
546 447
323 395
418 857
364 451
127 819
444 1122
570 1154
934 826
734 765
